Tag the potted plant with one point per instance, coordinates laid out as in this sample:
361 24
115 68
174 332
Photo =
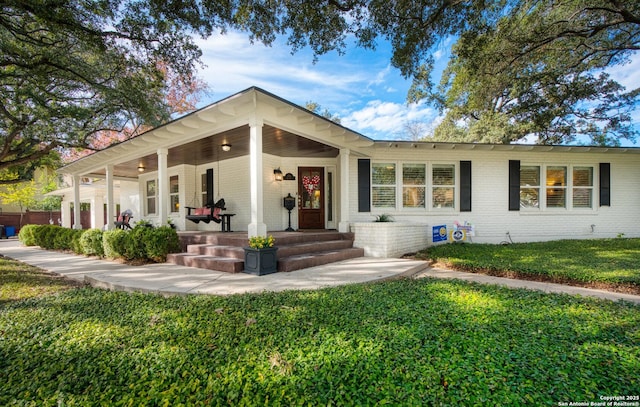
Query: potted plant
260 256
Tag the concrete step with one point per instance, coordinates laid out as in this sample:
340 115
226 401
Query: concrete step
226 264
240 238
296 250
313 247
216 250
302 261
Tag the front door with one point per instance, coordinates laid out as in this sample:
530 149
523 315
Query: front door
311 198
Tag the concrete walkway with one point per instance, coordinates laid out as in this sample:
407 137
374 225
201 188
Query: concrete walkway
171 279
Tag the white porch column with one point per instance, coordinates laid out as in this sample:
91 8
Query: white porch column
65 213
163 186
257 227
97 212
77 223
343 224
111 208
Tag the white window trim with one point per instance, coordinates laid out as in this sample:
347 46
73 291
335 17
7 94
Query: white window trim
399 186
568 188
174 193
146 197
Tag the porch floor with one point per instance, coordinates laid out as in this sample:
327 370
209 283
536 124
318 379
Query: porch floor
296 250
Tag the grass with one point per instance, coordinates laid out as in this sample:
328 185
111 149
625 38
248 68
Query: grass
19 281
406 342
610 263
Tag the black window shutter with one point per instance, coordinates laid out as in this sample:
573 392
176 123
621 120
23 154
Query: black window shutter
209 178
605 184
465 186
364 185
514 185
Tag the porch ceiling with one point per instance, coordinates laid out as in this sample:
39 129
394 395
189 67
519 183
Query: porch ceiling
275 142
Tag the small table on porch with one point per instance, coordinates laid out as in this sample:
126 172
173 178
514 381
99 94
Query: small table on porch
226 221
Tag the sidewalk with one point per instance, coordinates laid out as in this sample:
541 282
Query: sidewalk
171 279
530 285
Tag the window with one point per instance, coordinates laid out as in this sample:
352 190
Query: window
413 185
151 197
582 187
529 186
174 193
203 188
556 187
444 180
383 185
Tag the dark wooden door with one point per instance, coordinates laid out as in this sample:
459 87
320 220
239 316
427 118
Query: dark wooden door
311 198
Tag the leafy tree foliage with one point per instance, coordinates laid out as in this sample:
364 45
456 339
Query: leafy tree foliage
317 109
70 69
536 69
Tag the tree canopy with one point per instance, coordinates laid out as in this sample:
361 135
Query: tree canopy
70 70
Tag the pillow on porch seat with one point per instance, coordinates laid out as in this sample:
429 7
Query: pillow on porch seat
202 211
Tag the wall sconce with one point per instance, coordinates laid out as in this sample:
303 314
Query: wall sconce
226 147
278 174
140 167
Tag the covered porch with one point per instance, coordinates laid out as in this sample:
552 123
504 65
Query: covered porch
251 149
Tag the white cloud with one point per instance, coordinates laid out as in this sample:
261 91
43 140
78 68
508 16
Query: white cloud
361 87
385 120
628 74
233 64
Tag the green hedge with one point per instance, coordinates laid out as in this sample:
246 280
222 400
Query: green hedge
142 243
115 243
91 242
27 235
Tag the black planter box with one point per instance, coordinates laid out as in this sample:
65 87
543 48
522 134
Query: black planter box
260 261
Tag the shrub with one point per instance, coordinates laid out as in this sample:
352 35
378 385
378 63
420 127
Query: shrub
91 243
75 242
26 235
135 246
161 241
44 235
64 237
115 243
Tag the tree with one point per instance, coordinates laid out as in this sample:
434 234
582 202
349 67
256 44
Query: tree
22 194
414 130
538 71
181 96
69 70
317 109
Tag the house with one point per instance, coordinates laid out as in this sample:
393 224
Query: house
255 148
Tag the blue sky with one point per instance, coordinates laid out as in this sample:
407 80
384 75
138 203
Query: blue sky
361 87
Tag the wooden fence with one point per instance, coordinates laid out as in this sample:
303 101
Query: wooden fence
39 218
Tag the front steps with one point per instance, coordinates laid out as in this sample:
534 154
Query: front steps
296 250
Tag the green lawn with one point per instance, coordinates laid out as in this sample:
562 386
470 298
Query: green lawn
406 342
612 263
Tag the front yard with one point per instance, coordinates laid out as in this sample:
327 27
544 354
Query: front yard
408 342
613 264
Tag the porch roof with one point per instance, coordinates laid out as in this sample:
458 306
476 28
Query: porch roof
288 131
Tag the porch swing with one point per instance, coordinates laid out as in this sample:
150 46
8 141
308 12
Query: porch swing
211 211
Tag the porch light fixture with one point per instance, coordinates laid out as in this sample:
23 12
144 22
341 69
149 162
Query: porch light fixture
140 167
278 174
226 147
